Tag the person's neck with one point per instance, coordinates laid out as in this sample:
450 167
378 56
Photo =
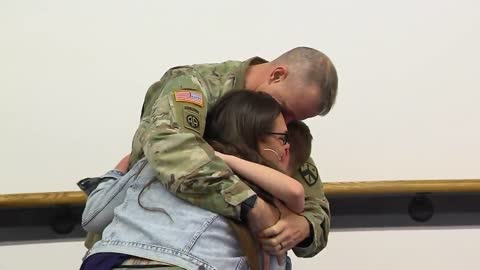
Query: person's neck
255 75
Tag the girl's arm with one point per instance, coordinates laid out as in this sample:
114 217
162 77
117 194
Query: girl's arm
280 185
98 212
101 203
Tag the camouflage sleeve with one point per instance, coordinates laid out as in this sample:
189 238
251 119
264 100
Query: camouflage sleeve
317 209
170 135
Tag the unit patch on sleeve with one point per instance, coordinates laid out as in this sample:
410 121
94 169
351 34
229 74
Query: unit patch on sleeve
309 173
192 119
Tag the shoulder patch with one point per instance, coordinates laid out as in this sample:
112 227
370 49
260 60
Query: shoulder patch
191 119
309 173
189 96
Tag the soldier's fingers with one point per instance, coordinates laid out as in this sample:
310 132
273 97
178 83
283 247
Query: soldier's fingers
273 231
287 245
284 238
278 250
269 249
271 242
281 258
273 250
280 253
272 245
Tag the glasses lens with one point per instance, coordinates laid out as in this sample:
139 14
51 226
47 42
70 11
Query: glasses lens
285 139
282 137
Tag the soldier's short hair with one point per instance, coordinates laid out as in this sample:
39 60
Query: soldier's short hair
300 140
312 67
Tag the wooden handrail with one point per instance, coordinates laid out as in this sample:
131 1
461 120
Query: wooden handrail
331 189
42 199
402 186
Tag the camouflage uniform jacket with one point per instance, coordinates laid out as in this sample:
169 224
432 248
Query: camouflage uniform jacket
170 136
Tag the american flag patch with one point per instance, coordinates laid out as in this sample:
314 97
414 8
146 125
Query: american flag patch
190 97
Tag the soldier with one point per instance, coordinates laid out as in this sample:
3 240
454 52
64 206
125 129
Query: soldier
303 81
242 124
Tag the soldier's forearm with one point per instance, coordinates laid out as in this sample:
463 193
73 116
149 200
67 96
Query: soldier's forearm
318 217
187 166
224 197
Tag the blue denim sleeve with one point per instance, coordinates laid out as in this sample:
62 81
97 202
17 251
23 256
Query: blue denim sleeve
115 174
110 193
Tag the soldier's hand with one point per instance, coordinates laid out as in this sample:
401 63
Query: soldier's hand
123 164
290 230
262 216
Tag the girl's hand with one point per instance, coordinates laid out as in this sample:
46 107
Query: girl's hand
123 164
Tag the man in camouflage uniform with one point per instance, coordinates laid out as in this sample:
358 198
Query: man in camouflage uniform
303 81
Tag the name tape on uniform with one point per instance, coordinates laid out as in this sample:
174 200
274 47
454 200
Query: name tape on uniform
189 97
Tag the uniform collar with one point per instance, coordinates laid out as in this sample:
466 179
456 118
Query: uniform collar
242 70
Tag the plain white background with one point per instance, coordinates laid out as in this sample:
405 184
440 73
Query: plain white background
73 75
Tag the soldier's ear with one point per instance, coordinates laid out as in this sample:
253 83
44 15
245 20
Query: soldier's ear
279 74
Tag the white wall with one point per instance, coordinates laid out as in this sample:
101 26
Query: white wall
74 73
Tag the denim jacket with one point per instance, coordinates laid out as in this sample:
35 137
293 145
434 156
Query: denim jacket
165 229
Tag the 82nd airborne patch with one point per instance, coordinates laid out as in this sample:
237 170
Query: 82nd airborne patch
191 119
309 173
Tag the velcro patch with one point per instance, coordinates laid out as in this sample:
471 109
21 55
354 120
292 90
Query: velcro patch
191 119
309 173
189 97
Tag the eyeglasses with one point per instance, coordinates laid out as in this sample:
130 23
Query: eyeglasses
283 136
